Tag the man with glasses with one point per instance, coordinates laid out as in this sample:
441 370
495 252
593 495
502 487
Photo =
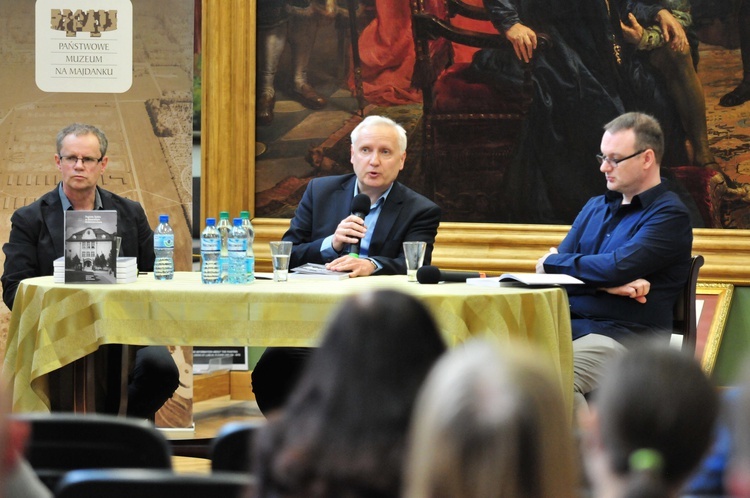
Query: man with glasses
631 247
37 238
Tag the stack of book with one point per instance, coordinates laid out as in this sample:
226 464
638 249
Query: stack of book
126 272
59 270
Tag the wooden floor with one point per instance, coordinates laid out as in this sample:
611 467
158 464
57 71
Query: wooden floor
209 416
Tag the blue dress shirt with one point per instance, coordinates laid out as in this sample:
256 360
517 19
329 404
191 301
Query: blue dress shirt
326 248
611 244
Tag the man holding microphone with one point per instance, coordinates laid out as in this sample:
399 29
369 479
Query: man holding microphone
325 228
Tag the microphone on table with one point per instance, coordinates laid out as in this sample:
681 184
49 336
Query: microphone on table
432 274
360 208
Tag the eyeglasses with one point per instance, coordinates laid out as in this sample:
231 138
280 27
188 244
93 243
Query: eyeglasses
616 162
73 160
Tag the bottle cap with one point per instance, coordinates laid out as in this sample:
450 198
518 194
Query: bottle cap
224 215
163 218
245 215
237 222
210 222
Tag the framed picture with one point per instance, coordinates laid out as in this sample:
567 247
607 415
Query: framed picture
229 179
712 308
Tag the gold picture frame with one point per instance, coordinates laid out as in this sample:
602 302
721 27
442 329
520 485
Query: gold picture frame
713 302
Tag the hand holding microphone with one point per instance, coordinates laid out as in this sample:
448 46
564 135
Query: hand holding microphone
360 209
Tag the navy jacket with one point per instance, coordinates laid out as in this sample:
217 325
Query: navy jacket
406 215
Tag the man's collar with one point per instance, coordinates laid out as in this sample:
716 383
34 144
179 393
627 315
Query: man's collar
644 198
382 197
66 204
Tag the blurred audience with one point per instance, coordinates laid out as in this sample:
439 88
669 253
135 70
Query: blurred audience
490 424
737 475
342 432
650 424
17 478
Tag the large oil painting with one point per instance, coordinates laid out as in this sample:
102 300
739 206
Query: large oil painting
494 159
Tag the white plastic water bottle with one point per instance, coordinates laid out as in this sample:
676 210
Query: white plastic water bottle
237 249
224 227
210 251
250 261
164 249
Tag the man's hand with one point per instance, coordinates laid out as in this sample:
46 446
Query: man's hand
359 267
523 39
637 289
672 30
540 261
633 32
350 231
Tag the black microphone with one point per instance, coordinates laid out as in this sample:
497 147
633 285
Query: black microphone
360 208
432 275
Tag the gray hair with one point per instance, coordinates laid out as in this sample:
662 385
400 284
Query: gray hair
648 133
380 120
80 129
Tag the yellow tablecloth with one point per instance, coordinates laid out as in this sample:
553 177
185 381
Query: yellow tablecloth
53 325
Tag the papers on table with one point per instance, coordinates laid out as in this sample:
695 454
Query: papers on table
314 271
530 279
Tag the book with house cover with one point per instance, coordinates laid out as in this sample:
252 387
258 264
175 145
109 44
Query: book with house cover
314 271
530 279
91 247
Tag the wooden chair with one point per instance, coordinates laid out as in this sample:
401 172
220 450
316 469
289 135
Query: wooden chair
151 483
684 315
470 127
61 442
231 449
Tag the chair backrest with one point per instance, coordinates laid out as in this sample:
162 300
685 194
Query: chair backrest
61 442
152 483
684 316
231 449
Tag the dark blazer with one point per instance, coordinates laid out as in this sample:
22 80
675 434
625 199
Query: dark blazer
406 215
38 231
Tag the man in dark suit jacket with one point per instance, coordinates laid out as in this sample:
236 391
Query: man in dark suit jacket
37 238
323 227
405 216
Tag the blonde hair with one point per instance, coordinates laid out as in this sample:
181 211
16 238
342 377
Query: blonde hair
490 424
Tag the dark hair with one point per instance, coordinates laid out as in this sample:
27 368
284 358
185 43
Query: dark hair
657 410
343 430
648 133
80 129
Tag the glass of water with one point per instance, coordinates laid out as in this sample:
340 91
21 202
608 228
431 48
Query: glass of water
281 250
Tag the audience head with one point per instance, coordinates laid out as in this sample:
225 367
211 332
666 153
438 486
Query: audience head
490 423
13 437
737 478
650 424
344 427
